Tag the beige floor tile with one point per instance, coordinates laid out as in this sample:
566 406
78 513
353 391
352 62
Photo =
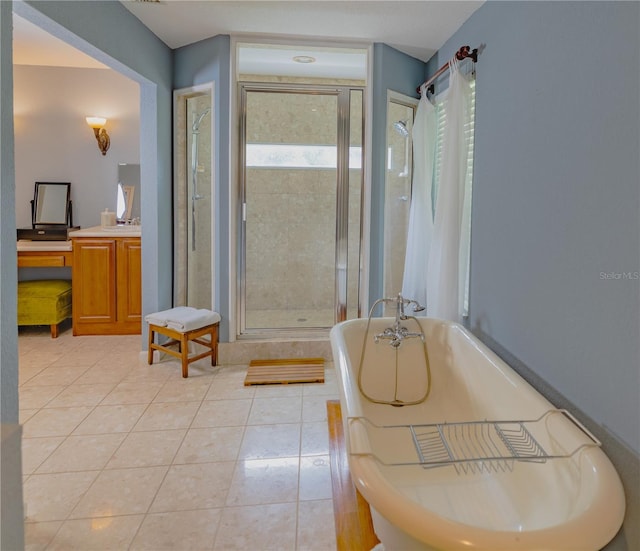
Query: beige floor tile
40 358
37 535
229 388
36 397
147 449
267 441
156 373
54 421
36 450
107 419
26 373
183 390
115 533
188 530
125 361
25 414
187 464
84 356
260 481
328 388
120 492
222 413
278 391
200 369
81 395
315 438
82 453
315 526
57 376
265 527
171 415
238 372
210 444
132 392
314 408
197 486
267 411
53 496
315 478
112 373
73 359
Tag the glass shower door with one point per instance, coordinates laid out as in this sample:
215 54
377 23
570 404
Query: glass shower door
397 201
296 173
194 202
199 216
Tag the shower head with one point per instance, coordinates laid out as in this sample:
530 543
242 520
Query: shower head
199 118
401 128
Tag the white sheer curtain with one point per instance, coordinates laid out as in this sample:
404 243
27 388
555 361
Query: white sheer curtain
447 268
414 283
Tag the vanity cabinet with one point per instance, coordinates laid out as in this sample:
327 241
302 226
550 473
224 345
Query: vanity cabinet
107 286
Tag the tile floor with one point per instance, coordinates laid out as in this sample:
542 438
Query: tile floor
121 455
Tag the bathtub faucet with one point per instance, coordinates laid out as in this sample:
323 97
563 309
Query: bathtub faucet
398 332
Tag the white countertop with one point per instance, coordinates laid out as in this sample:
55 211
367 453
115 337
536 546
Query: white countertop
26 245
110 231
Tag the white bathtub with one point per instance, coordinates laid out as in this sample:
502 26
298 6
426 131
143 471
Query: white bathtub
574 503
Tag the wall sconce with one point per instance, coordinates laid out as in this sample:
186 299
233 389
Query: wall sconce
97 123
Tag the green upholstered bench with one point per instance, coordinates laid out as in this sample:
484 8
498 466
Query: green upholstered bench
44 302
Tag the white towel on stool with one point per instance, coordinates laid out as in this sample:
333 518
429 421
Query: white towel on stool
191 318
160 318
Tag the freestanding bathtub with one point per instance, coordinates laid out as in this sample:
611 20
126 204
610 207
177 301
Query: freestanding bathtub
442 474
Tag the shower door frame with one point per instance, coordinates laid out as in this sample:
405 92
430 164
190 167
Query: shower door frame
343 96
181 158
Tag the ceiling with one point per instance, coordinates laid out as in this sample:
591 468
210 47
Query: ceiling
33 46
417 28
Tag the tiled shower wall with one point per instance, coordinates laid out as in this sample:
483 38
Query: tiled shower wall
291 218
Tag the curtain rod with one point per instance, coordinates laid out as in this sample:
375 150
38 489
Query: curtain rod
463 53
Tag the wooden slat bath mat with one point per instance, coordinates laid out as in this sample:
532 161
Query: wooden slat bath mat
285 371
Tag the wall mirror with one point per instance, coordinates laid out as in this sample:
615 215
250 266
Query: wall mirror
51 204
128 192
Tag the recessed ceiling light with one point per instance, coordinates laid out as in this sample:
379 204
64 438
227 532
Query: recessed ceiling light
303 59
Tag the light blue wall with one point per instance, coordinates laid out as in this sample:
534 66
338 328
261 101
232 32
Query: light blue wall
556 202
11 512
392 70
200 63
8 272
556 196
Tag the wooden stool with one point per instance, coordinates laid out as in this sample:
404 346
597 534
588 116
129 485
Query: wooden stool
182 339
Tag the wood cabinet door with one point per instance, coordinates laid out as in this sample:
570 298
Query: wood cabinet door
94 287
129 280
